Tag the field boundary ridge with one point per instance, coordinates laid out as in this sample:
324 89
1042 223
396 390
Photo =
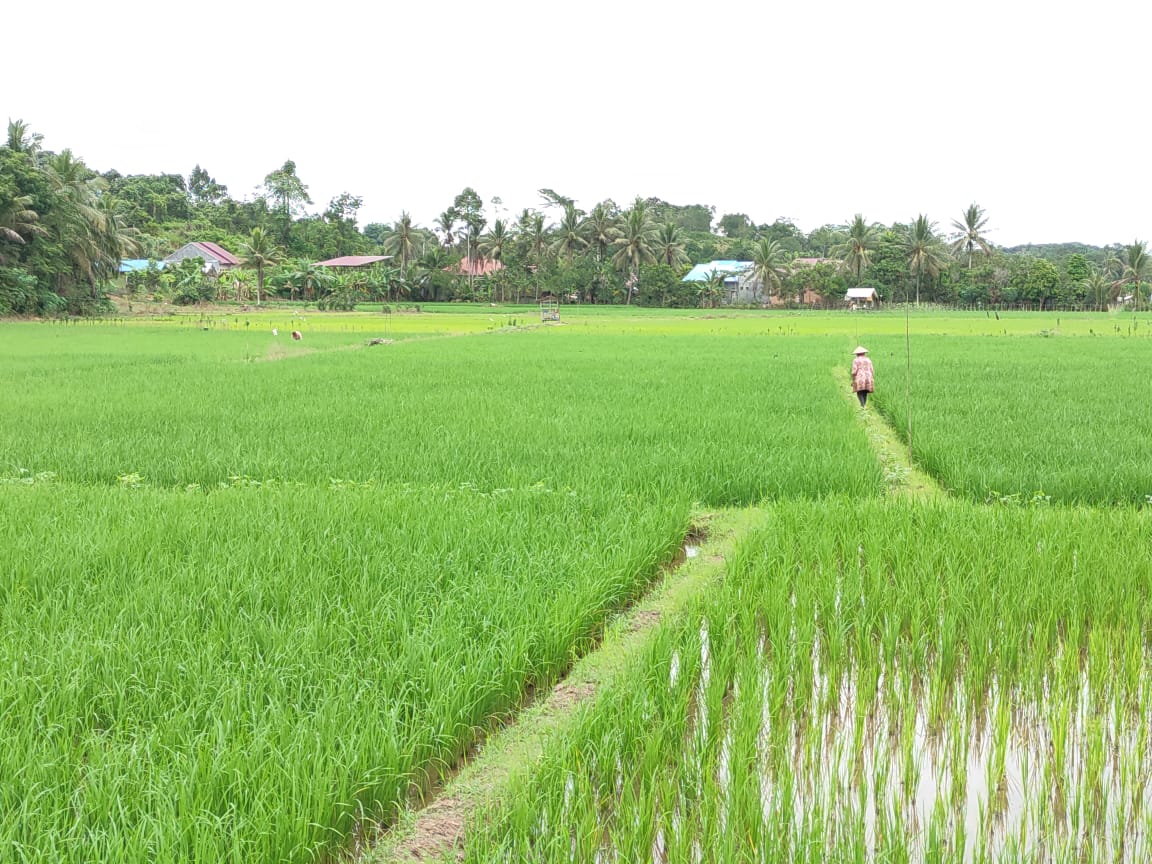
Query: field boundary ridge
436 831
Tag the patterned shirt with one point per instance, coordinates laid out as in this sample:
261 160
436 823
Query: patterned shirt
862 374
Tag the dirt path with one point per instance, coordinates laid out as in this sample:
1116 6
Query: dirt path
902 476
436 832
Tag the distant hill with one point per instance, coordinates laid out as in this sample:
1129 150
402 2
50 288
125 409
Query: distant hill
1060 251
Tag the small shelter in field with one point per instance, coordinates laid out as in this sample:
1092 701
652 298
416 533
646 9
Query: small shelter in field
862 296
216 258
354 262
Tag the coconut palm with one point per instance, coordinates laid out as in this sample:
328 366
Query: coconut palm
112 240
600 231
635 245
1097 289
924 250
402 241
534 234
856 249
570 234
493 244
1135 260
20 140
769 265
446 224
670 245
18 221
259 252
969 234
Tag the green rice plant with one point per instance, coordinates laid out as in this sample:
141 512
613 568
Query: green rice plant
720 420
264 673
1024 420
775 775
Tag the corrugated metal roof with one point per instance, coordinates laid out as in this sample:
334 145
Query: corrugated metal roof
860 293
218 252
476 267
703 272
354 261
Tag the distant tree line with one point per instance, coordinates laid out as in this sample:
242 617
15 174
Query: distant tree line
64 229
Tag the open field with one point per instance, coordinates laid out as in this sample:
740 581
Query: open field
252 591
1059 416
876 681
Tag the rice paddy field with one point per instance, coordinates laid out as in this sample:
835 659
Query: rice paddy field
952 683
255 594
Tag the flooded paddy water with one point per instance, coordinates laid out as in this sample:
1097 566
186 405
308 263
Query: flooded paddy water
840 701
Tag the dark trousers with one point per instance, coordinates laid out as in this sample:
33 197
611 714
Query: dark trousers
862 395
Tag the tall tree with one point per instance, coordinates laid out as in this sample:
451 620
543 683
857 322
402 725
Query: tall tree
534 231
923 249
259 252
203 188
21 140
969 234
493 244
402 241
600 230
769 264
17 221
634 246
288 194
670 245
446 225
1135 269
856 250
570 234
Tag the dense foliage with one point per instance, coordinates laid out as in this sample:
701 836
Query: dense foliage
64 229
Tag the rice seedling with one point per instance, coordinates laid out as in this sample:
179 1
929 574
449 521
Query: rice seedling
1031 753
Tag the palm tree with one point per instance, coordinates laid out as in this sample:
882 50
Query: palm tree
969 233
856 250
259 252
712 289
601 231
925 254
769 265
1097 288
18 220
112 240
446 223
1135 261
670 245
20 140
535 234
402 241
492 244
570 234
635 245
87 229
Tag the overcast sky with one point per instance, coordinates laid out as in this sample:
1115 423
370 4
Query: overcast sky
808 110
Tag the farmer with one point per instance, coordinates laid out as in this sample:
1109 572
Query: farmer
862 381
297 335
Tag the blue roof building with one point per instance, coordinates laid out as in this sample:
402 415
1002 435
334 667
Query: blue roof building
133 265
703 272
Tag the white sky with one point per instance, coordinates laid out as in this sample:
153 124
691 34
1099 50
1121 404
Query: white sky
809 110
